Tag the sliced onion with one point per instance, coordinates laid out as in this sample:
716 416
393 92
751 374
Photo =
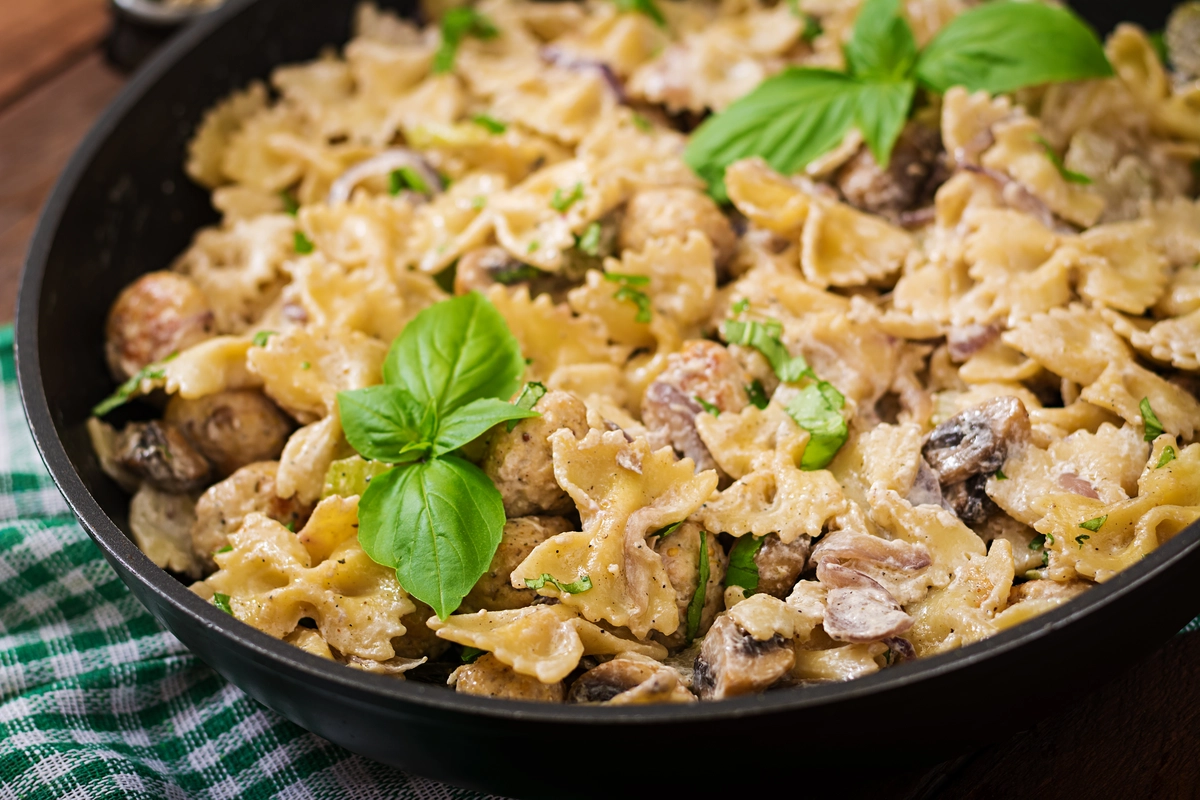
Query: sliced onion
574 63
382 165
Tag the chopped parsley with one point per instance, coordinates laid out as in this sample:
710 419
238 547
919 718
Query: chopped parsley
1094 524
457 24
707 406
478 202
301 243
642 124
490 124
1154 428
740 306
261 338
406 178
589 240
575 587
1167 456
562 201
221 601
533 246
757 395
528 398
1081 538
305 365
627 294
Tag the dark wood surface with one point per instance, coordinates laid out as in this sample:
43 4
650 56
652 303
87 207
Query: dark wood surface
1138 736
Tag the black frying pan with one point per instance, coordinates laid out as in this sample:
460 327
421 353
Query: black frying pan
124 207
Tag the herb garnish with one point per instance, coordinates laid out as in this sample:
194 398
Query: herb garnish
707 406
1093 525
261 338
124 392
800 114
646 7
406 178
589 240
642 124
1154 428
696 607
490 124
457 24
530 394
562 201
1000 476
533 246
1057 161
740 306
628 280
575 587
226 549
757 395
470 654
765 338
663 533
221 601
290 204
301 243
818 410
630 295
743 571
1081 538
1167 456
517 273
1037 542
436 518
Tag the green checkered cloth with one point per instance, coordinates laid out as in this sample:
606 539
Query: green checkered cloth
98 701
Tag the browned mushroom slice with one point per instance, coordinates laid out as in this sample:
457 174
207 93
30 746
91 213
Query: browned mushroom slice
858 609
489 677
520 462
968 499
159 453
732 662
630 679
976 441
703 372
908 182
158 314
779 565
494 590
231 428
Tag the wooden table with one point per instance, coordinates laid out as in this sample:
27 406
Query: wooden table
1139 736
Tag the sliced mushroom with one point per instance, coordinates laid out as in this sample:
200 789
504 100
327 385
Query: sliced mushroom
701 370
976 441
857 608
779 564
630 679
489 677
915 171
968 499
158 314
520 461
231 428
732 662
159 453
221 509
494 591
851 545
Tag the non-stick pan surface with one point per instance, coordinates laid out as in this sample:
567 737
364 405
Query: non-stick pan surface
124 207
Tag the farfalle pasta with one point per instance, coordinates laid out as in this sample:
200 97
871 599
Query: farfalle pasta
776 421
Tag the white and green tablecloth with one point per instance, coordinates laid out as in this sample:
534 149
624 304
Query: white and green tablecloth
97 700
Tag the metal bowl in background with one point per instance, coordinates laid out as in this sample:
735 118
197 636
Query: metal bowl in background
124 207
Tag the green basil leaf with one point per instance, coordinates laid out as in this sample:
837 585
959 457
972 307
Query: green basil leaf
438 523
1167 456
646 7
454 353
530 394
386 423
351 476
708 407
818 410
489 124
663 533
458 24
882 112
627 280
221 601
1057 161
562 201
301 243
1080 539
470 654
790 119
696 607
574 587
764 337
628 294
1004 46
1037 542
261 338
1000 476
1094 525
743 570
126 391
468 423
881 46
1153 426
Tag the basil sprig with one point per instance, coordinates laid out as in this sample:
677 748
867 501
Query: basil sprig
436 518
802 113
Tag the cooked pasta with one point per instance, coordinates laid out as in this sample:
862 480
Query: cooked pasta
835 419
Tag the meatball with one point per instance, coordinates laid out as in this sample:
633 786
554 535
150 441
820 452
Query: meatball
489 677
680 553
221 509
231 428
779 565
663 213
701 370
418 640
520 462
732 662
494 591
158 453
158 314
630 679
